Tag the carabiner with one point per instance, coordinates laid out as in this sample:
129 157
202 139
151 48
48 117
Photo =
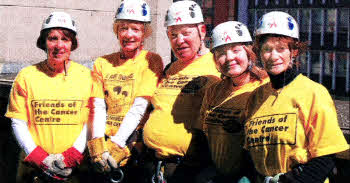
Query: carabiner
117 175
158 176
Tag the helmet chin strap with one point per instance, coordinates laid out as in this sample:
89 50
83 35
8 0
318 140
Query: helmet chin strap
200 51
291 61
65 67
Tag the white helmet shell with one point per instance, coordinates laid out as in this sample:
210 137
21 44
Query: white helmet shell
184 12
59 19
278 22
230 32
137 10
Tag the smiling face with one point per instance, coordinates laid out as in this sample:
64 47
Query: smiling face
276 55
185 41
58 47
130 35
232 59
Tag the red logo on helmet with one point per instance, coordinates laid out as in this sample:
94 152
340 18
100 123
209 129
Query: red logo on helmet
178 18
61 20
273 24
131 11
227 37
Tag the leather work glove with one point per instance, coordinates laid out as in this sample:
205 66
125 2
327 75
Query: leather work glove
119 154
59 162
274 179
53 169
100 156
41 159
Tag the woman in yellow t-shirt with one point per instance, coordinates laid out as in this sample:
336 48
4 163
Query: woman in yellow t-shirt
170 130
224 101
49 106
123 83
292 132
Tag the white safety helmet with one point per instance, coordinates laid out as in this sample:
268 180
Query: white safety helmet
137 10
278 22
230 32
184 12
59 19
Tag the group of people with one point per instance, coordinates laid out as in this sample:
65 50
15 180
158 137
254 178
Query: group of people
238 112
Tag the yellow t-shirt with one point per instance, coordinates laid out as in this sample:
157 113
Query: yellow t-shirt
220 116
54 106
291 125
120 82
177 104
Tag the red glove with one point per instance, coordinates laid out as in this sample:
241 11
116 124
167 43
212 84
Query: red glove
72 157
36 157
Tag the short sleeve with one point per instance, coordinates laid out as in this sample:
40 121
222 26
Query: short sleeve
97 79
17 107
322 130
151 75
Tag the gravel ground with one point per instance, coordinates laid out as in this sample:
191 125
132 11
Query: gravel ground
343 114
343 110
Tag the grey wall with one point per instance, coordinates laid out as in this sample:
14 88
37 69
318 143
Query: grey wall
20 24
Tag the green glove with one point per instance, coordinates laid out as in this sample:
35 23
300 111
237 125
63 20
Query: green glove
244 179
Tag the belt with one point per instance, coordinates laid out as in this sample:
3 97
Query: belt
172 159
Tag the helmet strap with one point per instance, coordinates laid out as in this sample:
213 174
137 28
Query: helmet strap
200 51
250 66
65 67
292 59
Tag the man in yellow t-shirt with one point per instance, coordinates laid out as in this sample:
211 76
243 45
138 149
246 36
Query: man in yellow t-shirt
169 130
176 105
